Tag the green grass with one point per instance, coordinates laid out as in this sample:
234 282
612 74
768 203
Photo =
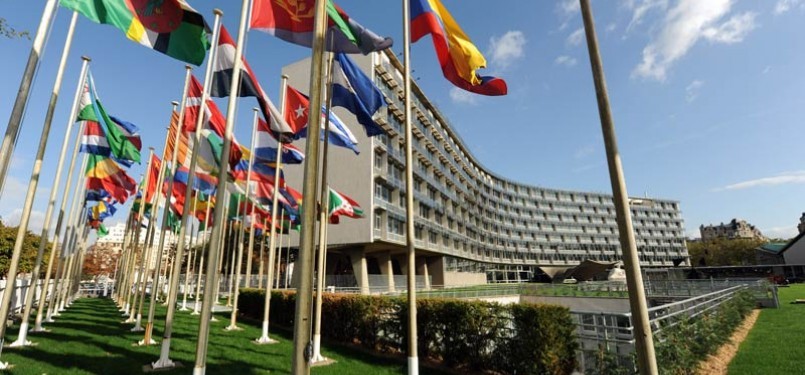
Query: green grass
89 338
776 344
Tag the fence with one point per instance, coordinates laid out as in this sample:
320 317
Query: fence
22 288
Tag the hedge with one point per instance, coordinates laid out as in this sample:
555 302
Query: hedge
464 335
681 348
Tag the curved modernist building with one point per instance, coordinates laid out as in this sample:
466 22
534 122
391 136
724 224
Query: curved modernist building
472 224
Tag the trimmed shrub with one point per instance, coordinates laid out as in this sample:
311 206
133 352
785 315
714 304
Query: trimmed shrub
471 336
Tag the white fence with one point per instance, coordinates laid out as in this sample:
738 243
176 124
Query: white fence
23 286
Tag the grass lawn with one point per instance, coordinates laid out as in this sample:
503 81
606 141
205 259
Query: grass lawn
776 344
89 338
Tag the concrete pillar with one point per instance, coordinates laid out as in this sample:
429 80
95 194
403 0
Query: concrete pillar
422 269
387 269
436 269
360 269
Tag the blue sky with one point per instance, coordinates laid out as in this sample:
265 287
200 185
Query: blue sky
707 96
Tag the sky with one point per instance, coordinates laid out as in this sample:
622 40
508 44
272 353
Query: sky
707 96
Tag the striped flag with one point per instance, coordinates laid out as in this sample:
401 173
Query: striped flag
297 111
266 145
106 135
342 205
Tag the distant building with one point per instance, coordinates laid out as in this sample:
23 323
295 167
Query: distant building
801 225
113 242
789 253
735 229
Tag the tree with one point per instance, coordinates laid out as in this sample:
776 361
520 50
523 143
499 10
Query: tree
8 236
723 252
101 260
9 32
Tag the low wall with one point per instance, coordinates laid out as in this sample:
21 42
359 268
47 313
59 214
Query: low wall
464 278
588 304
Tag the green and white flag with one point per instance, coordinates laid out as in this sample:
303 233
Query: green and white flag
342 205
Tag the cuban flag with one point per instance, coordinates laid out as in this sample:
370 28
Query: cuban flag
297 111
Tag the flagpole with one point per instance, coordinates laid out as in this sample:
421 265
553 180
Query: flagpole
129 259
29 297
287 250
220 211
164 360
201 262
260 267
234 317
189 270
264 338
644 342
323 218
11 276
230 266
18 111
413 360
149 324
251 213
147 250
307 242
56 300
78 210
234 278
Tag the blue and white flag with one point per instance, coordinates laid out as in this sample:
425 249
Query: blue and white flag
355 91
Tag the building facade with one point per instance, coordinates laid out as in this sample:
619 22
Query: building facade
735 229
469 220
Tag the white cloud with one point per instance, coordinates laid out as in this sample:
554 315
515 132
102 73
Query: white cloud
639 10
507 48
781 232
569 7
584 152
35 222
732 31
565 60
611 27
766 70
683 26
692 91
795 177
460 96
576 38
784 6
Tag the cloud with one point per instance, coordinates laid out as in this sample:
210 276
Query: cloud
611 27
565 61
584 152
684 25
460 96
795 177
640 9
766 70
576 38
692 91
567 9
784 6
732 31
507 49
35 222
781 232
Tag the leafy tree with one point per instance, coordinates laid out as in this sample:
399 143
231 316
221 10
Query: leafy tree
723 252
30 246
9 32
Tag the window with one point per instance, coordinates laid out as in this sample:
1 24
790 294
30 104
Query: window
382 192
378 221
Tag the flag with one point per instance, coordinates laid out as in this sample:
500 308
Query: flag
202 182
96 195
297 110
108 136
213 117
342 205
355 91
292 21
457 55
249 84
153 177
102 231
104 174
184 153
168 26
265 147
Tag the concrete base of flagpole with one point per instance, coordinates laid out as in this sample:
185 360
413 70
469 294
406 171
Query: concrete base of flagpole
413 365
213 319
199 370
5 366
318 359
143 343
56 313
18 344
265 340
233 328
137 325
162 365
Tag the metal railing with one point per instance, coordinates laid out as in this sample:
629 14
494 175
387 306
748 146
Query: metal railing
22 288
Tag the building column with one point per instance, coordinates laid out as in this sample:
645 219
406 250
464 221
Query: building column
436 268
360 269
422 269
387 269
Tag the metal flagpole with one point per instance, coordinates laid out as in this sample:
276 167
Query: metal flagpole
324 211
131 258
11 277
307 242
230 266
120 282
164 360
147 250
54 303
189 270
233 319
196 305
261 265
413 360
646 361
29 297
287 251
18 111
149 324
251 212
264 338
220 210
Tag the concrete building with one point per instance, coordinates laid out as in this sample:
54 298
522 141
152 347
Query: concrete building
472 225
801 225
735 229
114 241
